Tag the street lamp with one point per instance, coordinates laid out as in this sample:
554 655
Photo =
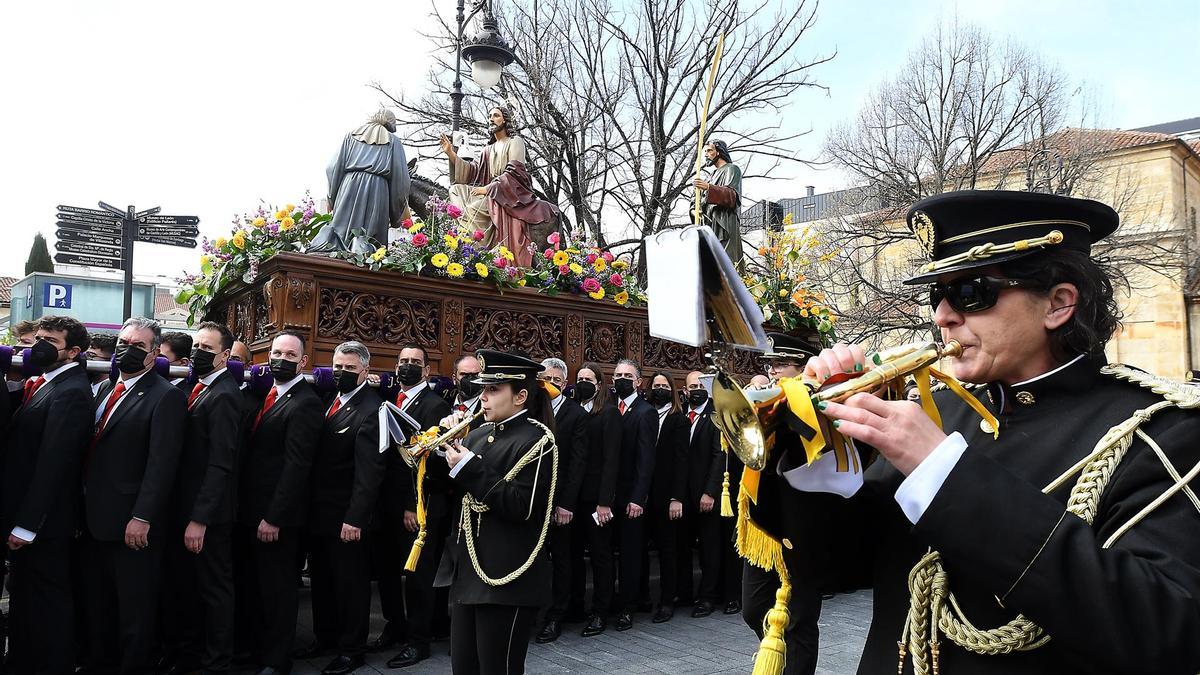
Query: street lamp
487 52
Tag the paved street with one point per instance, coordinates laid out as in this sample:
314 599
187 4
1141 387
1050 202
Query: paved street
716 644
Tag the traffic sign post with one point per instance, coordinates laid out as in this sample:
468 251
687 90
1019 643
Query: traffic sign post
105 237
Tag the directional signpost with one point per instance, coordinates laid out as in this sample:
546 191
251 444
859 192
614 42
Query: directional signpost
104 238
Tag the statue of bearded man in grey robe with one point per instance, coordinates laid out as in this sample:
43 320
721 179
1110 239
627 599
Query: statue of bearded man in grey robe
368 188
722 198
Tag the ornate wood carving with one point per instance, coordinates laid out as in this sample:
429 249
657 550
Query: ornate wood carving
273 295
658 354
262 325
539 336
574 349
452 325
300 291
604 341
372 317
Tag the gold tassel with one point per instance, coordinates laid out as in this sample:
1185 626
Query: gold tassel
726 504
414 554
772 651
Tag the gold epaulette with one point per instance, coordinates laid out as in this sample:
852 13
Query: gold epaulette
1182 395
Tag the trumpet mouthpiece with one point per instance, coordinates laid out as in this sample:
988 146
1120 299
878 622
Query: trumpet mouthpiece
952 350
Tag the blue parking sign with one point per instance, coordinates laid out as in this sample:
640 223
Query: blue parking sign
56 296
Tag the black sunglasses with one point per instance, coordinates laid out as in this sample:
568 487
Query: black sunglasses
973 294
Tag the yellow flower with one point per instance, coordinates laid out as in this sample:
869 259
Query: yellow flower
620 264
521 282
451 242
286 224
600 264
378 254
454 270
804 312
560 258
290 208
220 242
259 221
281 214
783 293
576 268
239 239
481 269
439 260
204 260
597 295
507 254
416 227
621 298
572 250
789 219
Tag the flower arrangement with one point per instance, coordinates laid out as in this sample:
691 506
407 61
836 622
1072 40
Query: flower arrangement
584 270
776 280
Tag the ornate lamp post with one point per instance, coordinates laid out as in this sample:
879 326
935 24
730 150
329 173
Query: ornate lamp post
487 52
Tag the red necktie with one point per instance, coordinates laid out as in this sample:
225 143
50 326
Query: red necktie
692 414
270 401
400 399
460 408
621 407
117 392
195 392
337 403
31 387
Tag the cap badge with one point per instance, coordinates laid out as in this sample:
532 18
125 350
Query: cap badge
922 228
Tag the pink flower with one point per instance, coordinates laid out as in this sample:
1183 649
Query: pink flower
477 235
407 223
500 262
615 279
553 239
590 285
512 272
549 253
591 258
608 257
453 211
563 269
419 239
453 232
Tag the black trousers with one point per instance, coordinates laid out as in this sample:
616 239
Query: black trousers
421 596
631 535
41 615
802 634
341 594
122 605
490 639
730 586
664 532
199 622
561 564
705 527
269 594
388 554
598 541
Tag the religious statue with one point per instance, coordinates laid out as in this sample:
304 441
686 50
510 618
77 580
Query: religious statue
722 194
495 193
368 188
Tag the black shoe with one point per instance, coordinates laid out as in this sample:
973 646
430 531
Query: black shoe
703 609
549 633
733 607
343 665
595 626
624 621
413 653
827 596
385 641
664 614
271 670
313 650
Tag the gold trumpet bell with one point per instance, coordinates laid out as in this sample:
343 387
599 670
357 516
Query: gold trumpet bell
747 419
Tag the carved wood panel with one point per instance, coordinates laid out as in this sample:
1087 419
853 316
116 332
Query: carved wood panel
370 317
262 324
538 336
452 325
658 353
603 341
574 350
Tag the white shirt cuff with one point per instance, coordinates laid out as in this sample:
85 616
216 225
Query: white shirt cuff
461 463
917 491
23 534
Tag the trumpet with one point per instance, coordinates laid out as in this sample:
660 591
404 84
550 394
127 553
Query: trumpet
423 443
748 419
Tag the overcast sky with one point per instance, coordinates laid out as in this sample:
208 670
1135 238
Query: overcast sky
207 108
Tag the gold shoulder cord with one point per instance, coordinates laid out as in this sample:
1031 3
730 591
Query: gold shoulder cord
472 505
933 607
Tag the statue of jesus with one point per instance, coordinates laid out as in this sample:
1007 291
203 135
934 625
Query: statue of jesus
495 193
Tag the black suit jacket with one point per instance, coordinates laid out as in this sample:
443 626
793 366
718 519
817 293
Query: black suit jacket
278 459
133 462
348 467
46 442
399 483
205 490
670 461
600 466
706 461
639 431
570 433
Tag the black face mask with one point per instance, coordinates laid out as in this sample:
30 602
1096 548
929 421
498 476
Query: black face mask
624 387
584 391
408 374
202 361
43 354
131 359
467 389
659 397
345 381
283 370
697 397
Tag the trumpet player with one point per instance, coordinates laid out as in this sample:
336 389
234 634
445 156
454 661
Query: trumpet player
507 472
1058 535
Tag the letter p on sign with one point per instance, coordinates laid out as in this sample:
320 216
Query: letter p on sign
57 296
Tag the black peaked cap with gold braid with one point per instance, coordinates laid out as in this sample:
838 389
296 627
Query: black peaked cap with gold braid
497 367
976 228
784 346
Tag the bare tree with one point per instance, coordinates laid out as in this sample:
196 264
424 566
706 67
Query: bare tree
610 91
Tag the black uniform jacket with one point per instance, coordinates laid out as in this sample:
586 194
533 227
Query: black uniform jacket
599 485
132 466
639 432
205 490
670 461
570 431
705 462
278 458
510 529
1131 608
46 441
348 467
399 491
